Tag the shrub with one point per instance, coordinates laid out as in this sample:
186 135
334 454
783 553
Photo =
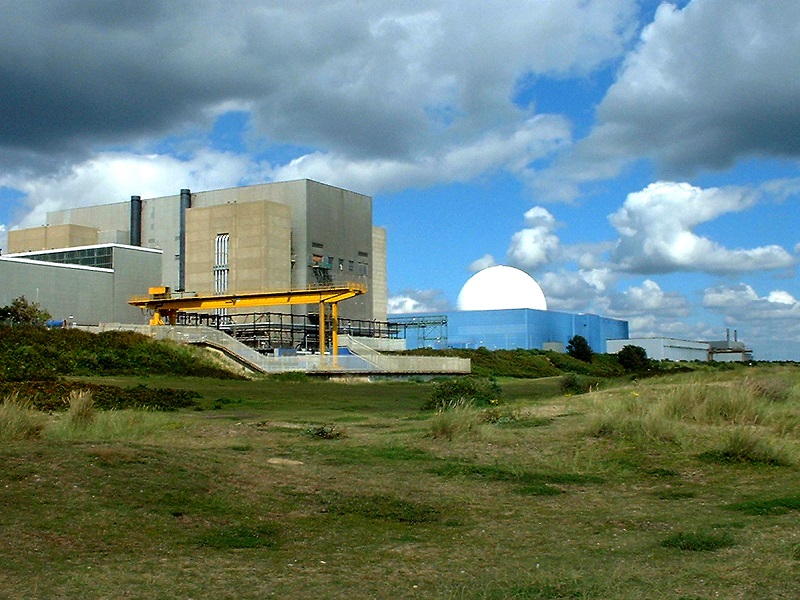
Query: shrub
578 384
18 421
53 395
633 359
579 348
450 393
22 312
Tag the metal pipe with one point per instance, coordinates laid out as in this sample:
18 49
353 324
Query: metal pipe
186 203
136 221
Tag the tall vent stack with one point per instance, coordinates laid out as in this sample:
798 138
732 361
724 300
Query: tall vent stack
186 203
136 220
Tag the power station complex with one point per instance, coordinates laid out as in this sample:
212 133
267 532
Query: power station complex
86 264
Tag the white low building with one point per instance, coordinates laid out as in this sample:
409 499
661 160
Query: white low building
659 348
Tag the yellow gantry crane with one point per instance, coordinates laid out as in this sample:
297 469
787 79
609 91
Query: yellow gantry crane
166 306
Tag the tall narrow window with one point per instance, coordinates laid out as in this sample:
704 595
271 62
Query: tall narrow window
221 267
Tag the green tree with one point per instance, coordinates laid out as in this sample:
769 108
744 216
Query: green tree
22 312
579 348
633 359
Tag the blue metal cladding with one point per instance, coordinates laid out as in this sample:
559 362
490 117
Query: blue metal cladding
526 328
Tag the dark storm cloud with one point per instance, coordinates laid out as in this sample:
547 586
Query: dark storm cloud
360 79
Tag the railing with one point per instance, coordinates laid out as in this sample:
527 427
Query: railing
363 360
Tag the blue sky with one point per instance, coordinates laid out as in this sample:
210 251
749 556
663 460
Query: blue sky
639 159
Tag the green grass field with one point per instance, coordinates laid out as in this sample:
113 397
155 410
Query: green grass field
684 486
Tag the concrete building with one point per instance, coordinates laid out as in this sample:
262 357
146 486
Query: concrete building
687 350
664 348
287 235
84 284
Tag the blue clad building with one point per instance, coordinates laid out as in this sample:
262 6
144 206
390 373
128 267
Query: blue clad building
503 308
512 328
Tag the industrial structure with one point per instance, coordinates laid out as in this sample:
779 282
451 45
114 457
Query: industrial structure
502 307
660 348
273 236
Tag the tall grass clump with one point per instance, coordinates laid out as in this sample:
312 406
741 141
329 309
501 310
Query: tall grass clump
750 446
81 408
631 418
18 421
114 425
714 404
458 420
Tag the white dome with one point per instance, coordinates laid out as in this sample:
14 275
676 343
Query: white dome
500 287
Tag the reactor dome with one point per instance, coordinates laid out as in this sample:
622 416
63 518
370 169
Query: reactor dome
501 287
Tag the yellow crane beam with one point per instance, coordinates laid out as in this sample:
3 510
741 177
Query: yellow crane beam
166 307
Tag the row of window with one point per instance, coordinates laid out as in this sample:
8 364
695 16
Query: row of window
331 263
101 257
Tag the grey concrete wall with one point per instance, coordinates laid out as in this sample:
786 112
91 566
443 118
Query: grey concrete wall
135 270
379 289
104 217
341 221
84 293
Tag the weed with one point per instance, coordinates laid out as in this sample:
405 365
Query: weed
264 535
18 421
699 541
327 431
771 506
381 507
633 419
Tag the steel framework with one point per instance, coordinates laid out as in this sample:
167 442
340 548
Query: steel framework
165 305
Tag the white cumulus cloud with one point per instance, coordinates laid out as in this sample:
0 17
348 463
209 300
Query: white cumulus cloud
656 227
536 245
418 301
116 176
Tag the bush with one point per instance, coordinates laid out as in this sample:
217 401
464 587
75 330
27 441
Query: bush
53 395
22 312
450 393
579 348
578 384
633 359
